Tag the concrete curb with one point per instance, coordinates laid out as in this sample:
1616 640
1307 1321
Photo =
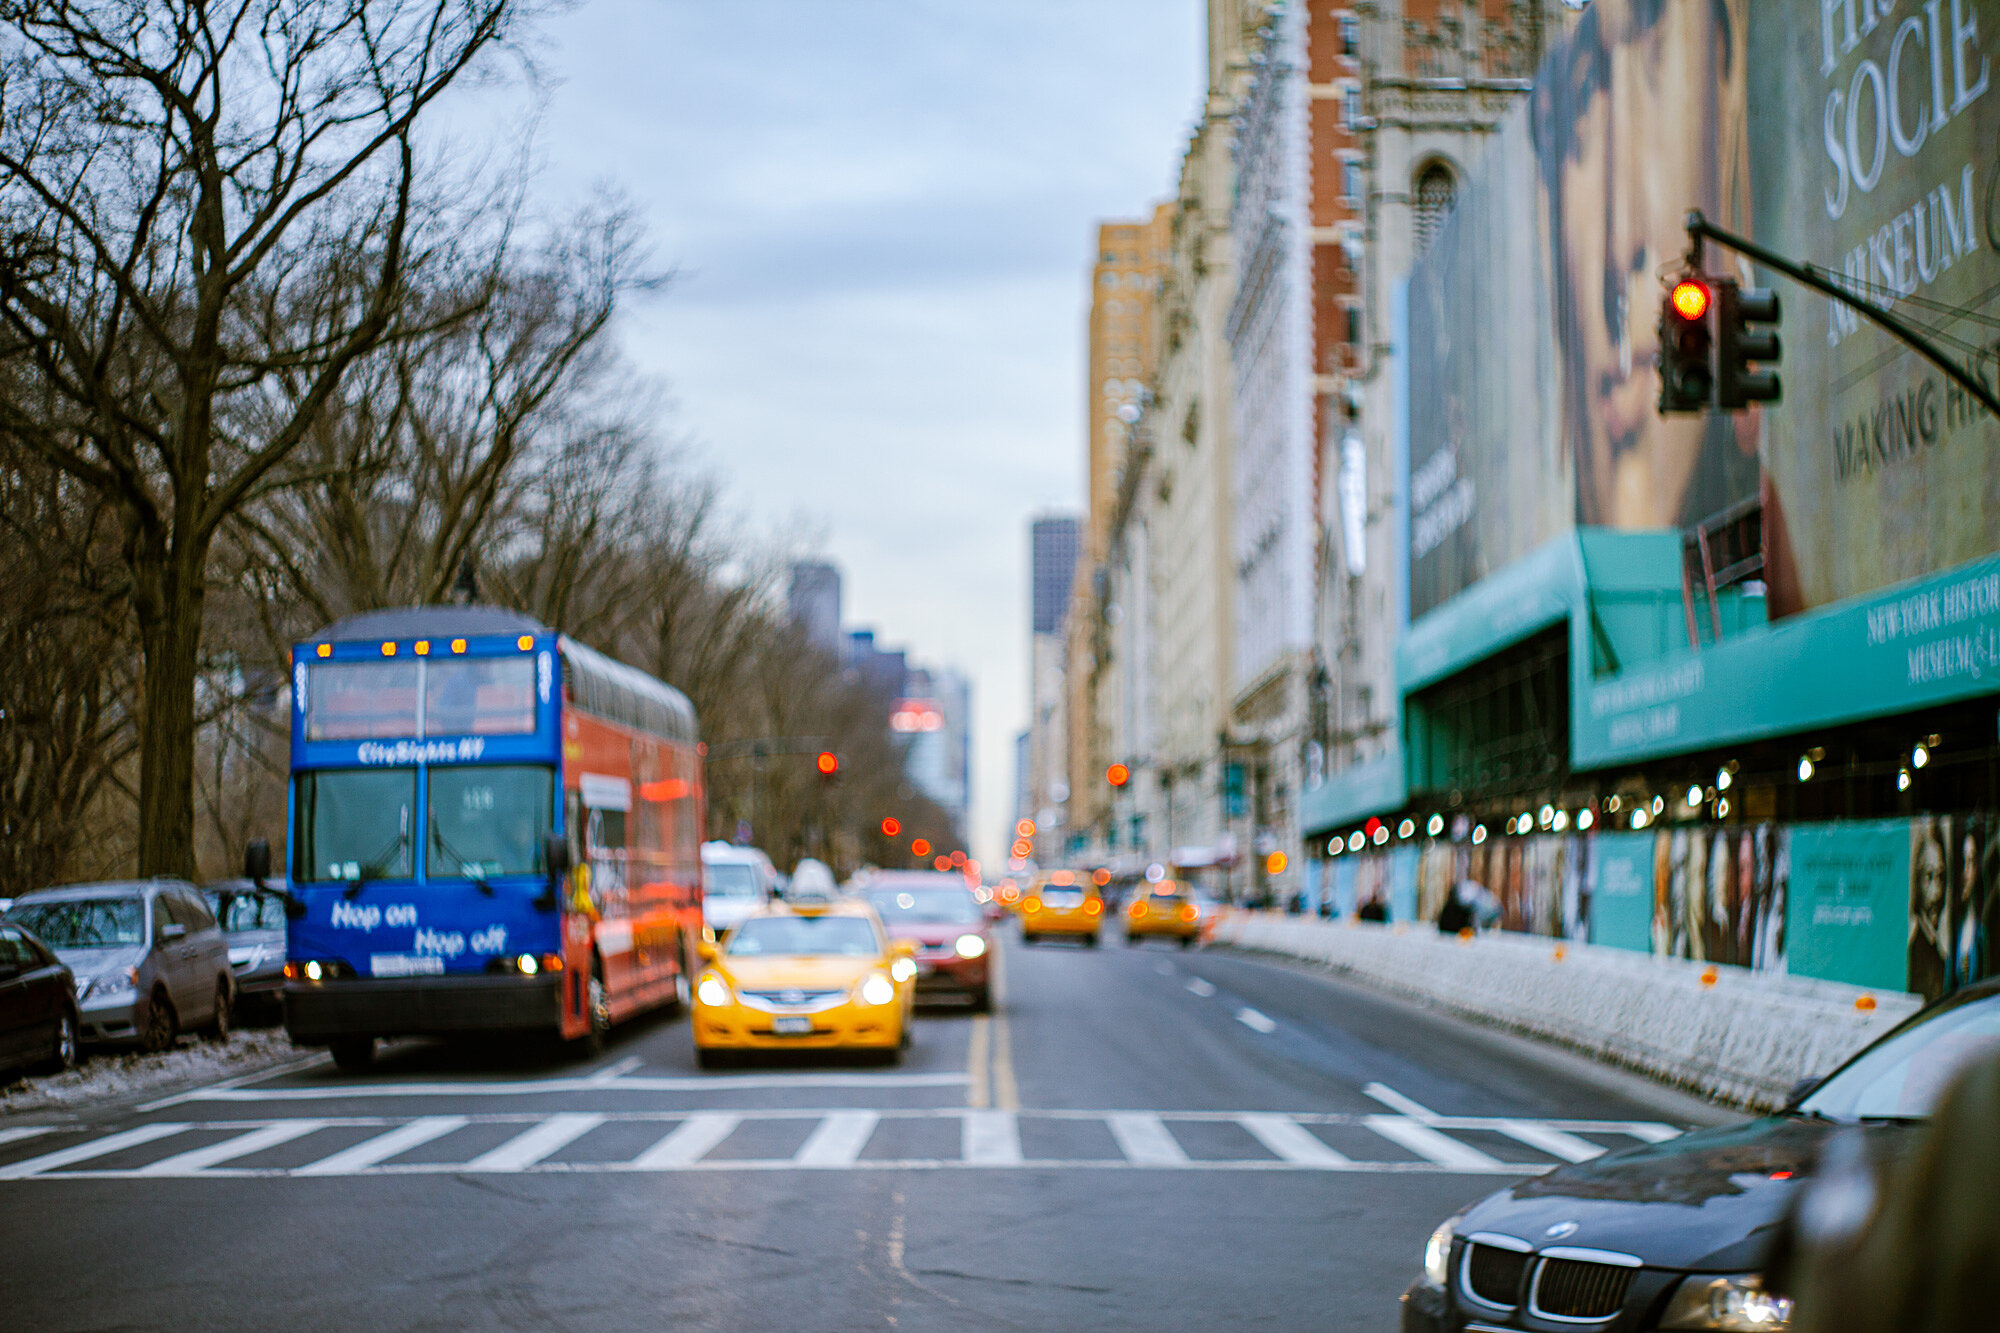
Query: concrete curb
1729 1034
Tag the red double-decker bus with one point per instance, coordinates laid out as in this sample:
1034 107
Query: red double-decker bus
493 828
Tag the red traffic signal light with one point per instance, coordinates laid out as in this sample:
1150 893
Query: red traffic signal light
1118 775
1687 374
1690 299
891 827
827 762
920 848
1023 849
1025 829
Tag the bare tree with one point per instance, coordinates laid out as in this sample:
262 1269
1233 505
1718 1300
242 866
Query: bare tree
210 213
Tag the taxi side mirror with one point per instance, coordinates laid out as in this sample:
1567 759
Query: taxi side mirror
707 952
903 948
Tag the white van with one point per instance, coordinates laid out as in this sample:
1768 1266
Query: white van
736 881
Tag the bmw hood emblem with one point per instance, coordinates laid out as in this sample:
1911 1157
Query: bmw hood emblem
1561 1231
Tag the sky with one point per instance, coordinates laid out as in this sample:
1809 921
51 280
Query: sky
881 217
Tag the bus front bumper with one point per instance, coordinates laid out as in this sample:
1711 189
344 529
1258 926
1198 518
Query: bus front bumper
323 1011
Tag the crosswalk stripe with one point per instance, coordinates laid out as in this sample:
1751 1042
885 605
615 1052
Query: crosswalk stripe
257 1140
83 1152
534 1144
373 1152
837 1140
19 1132
992 1138
1145 1139
1650 1131
1554 1142
1290 1140
690 1141
1429 1143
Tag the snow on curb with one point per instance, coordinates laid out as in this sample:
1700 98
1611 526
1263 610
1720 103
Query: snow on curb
112 1076
1727 1033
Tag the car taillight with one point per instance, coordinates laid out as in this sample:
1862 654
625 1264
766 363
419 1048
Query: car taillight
1189 912
1094 906
1137 909
1031 904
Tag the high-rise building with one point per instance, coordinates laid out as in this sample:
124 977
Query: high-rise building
934 723
813 602
885 672
1054 541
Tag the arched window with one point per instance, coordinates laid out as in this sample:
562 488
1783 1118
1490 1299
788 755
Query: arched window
1437 190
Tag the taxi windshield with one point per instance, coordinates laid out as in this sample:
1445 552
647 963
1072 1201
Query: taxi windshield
1902 1078
927 907
805 936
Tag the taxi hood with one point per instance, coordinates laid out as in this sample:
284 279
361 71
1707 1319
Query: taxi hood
799 971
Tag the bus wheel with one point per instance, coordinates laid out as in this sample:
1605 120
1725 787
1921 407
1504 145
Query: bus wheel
353 1055
598 1010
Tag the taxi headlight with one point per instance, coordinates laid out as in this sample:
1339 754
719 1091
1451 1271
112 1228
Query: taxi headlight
969 946
878 989
1437 1254
901 970
712 991
1736 1304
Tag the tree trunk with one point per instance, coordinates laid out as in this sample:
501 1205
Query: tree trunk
169 614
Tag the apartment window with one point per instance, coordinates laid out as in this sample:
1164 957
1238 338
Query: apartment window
1353 326
1350 181
1352 103
1350 35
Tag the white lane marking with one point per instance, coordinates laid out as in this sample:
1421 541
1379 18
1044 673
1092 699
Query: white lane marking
617 1069
1647 1130
1429 1143
690 1141
19 1132
1145 1140
991 1138
83 1152
837 1140
1164 968
243 1145
1255 1021
544 1087
373 1152
1200 987
1400 1104
307 1061
532 1145
1554 1142
1289 1140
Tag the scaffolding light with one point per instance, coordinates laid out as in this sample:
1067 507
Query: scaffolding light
1722 779
1584 819
1920 756
1436 825
1902 779
1693 797
1406 828
1478 833
1805 768
1561 821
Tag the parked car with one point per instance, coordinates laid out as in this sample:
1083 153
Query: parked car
38 1023
252 917
1673 1235
148 957
735 881
946 924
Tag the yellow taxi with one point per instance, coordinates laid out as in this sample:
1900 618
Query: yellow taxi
805 974
1165 909
1061 902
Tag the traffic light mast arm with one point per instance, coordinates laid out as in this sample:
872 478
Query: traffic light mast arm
1700 228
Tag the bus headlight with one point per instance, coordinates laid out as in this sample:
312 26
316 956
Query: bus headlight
878 989
712 991
969 946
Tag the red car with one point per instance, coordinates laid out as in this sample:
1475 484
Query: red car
939 914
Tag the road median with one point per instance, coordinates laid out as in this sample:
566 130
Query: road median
1729 1034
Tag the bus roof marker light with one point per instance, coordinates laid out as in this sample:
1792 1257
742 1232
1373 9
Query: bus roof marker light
423 647
388 650
458 645
526 643
324 650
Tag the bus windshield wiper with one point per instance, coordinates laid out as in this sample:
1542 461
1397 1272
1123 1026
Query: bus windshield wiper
472 870
374 867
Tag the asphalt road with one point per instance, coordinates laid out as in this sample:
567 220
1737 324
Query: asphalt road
1142 1139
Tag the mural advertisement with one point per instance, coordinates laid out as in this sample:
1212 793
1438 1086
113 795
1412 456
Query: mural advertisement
1621 891
1875 153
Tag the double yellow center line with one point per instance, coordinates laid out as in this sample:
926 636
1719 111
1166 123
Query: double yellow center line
990 1054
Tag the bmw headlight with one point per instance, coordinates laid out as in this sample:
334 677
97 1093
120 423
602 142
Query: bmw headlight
712 991
878 989
969 946
1736 1304
1437 1254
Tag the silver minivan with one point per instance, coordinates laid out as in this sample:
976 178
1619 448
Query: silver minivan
148 957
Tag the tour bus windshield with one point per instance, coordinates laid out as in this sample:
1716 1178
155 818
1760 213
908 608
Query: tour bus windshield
83 923
355 824
729 881
836 936
466 696
489 821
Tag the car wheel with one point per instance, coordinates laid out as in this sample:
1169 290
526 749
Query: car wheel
219 1026
1187 941
1027 937
709 1059
1090 941
163 1026
353 1055
982 1000
63 1054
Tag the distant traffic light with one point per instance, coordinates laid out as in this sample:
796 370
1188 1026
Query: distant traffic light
1740 343
828 764
920 849
1023 849
1687 378
1118 775
1275 863
891 827
1025 829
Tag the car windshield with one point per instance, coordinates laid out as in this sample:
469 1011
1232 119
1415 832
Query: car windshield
246 911
729 880
83 923
355 824
808 936
1903 1077
1055 897
489 821
927 907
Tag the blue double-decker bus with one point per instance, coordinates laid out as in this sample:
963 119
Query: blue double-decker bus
493 829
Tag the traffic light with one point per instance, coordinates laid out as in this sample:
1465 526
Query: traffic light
827 764
920 849
1118 775
1025 829
1740 342
891 827
1687 378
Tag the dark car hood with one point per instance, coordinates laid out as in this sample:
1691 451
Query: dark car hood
1706 1201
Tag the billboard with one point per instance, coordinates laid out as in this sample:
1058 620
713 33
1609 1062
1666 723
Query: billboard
1875 153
